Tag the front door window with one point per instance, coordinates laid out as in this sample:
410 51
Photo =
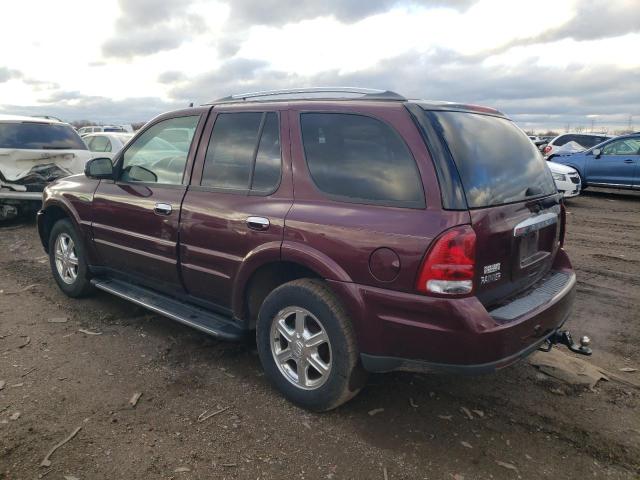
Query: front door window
159 155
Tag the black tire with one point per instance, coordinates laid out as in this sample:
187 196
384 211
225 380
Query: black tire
81 285
346 376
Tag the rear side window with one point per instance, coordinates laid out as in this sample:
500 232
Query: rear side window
244 153
564 139
359 159
587 141
100 144
40 136
497 163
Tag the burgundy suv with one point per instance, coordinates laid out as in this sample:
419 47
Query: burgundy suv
353 230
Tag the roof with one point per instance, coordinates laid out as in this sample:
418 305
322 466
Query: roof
349 93
25 118
315 93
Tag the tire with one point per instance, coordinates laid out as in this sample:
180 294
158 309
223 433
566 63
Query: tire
71 273
310 303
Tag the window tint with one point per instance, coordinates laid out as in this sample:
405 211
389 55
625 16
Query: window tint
497 162
40 136
564 139
235 160
627 146
360 159
151 159
100 144
266 175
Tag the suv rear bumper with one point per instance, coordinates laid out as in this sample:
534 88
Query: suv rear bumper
402 331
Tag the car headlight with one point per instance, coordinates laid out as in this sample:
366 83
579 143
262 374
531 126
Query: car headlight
559 177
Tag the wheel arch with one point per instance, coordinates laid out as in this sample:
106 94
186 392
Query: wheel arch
48 216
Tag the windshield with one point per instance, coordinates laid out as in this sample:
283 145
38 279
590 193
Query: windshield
497 162
39 136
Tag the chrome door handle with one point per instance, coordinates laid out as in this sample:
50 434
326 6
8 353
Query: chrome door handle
258 223
162 209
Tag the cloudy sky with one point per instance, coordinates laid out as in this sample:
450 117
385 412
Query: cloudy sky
547 63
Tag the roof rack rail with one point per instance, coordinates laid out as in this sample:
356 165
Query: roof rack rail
317 93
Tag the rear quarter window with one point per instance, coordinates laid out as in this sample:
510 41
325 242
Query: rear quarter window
360 159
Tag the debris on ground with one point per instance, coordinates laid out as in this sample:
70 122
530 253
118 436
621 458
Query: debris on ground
15 416
571 370
135 398
385 474
29 371
58 320
628 369
467 412
26 342
89 332
446 417
205 416
479 413
466 444
182 470
2 384
46 462
508 466
375 411
412 403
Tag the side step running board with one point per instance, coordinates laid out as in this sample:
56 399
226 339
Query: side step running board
198 318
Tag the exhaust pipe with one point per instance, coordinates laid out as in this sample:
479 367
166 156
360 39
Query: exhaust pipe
563 337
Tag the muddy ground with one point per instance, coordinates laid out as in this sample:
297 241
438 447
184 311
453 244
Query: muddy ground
402 426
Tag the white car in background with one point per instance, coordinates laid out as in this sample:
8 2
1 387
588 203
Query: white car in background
100 128
106 144
567 179
34 152
585 140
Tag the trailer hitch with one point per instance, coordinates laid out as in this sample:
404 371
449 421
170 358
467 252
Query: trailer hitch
563 337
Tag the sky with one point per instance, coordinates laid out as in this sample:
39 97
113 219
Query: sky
546 63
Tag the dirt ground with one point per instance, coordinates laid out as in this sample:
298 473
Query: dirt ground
60 375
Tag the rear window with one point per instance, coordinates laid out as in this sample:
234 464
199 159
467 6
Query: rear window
497 163
39 136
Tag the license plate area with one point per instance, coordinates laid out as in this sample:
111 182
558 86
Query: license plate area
529 248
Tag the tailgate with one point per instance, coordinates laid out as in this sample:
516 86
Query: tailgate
516 245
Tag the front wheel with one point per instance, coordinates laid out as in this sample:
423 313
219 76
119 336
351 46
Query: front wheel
307 346
68 260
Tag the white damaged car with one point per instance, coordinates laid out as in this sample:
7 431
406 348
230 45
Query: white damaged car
567 179
34 152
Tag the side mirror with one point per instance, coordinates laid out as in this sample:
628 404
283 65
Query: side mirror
597 152
99 168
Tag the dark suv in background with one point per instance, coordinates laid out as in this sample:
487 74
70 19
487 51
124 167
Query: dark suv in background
354 230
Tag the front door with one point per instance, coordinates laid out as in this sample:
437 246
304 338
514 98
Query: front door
135 223
235 207
617 163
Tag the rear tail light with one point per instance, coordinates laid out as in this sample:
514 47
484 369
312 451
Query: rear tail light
547 149
449 265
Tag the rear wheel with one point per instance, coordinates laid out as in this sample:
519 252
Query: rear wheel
307 346
68 260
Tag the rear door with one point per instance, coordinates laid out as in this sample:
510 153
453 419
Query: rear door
135 217
236 204
617 164
512 200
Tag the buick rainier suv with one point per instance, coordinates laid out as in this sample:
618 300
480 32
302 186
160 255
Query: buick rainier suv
350 230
